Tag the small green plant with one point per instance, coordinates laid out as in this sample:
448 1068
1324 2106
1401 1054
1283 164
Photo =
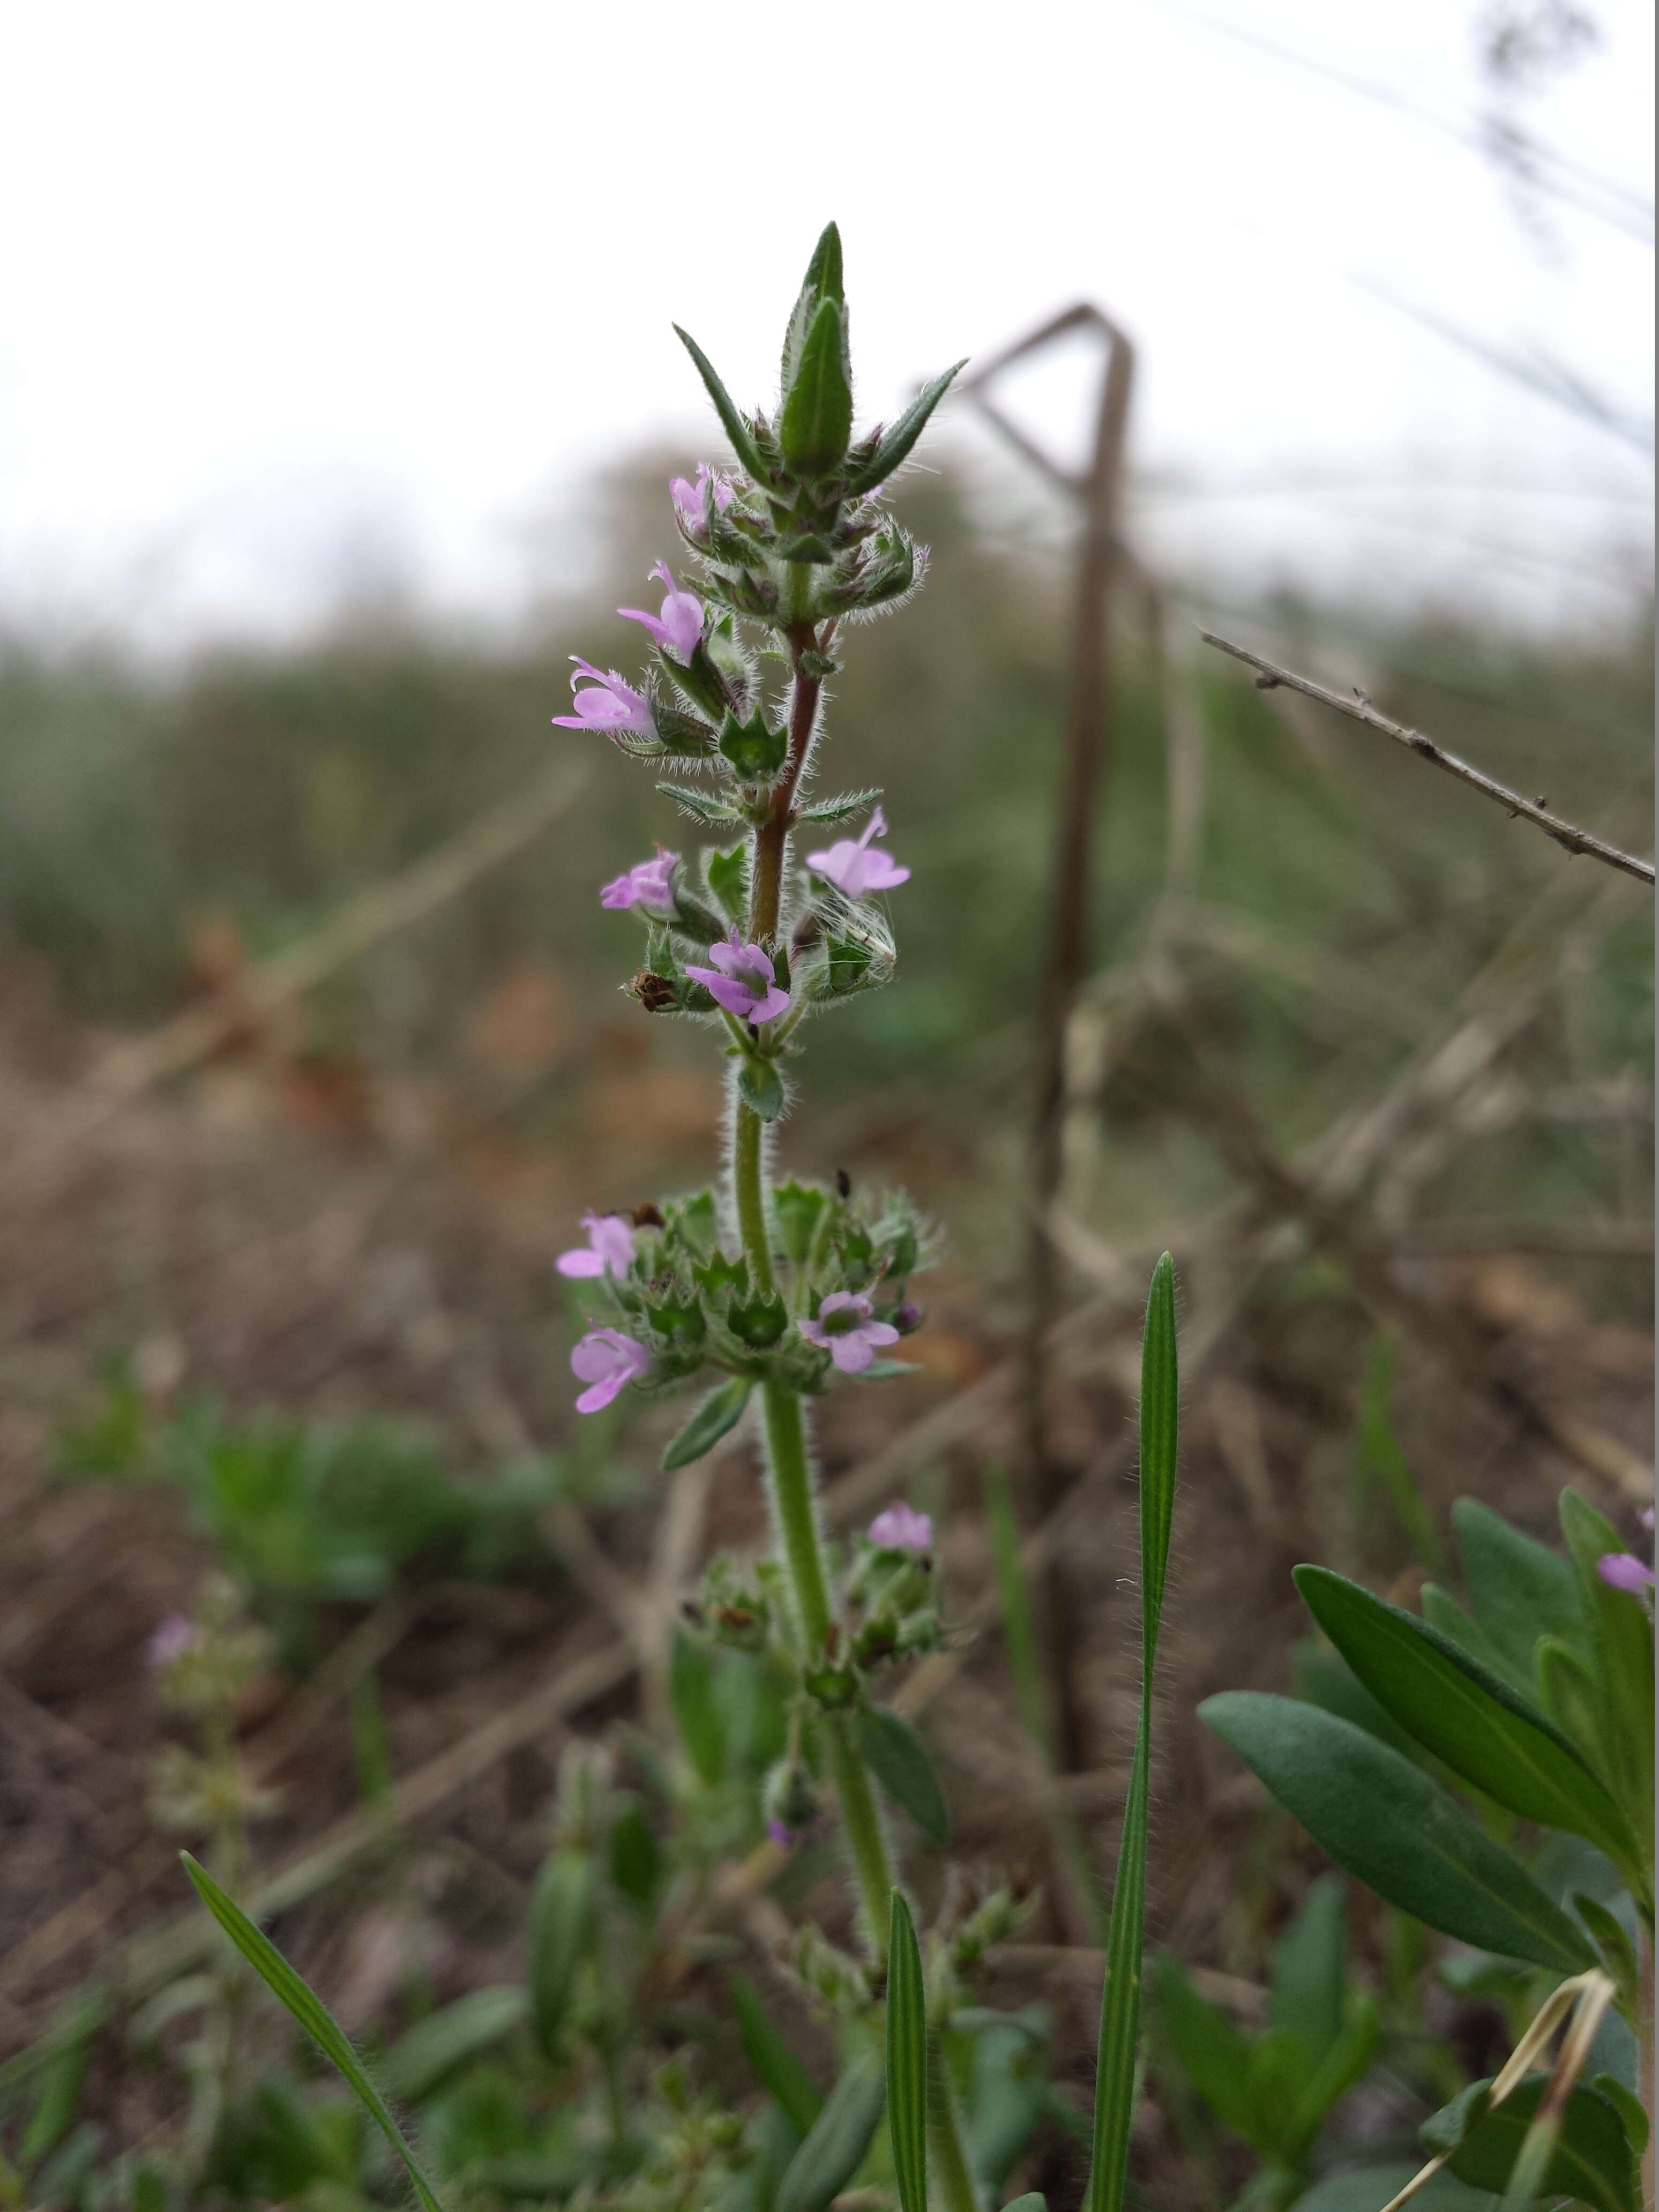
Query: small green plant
1537 1701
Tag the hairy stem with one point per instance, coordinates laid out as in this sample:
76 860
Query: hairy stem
748 1181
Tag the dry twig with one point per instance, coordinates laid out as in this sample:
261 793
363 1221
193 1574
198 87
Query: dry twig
1565 834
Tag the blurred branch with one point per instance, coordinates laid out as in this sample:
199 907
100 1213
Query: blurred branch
1360 709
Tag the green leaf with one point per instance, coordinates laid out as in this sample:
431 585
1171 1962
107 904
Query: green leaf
1621 1643
1593 2161
1475 1724
737 430
696 1708
1212 2053
777 2068
1324 1677
562 1927
1388 1823
1628 2105
838 810
898 1758
1566 1690
58 2098
700 806
798 1207
435 2046
906 2058
1310 1965
318 2024
1518 1589
1609 1934
756 750
1335 2075
728 880
895 444
1442 1610
823 281
718 1415
761 1088
636 1859
816 425
834 2151
1119 2005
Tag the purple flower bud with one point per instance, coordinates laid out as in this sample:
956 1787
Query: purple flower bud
909 1318
647 883
679 625
902 1528
1623 1571
608 704
609 1249
607 1361
743 982
785 1838
845 1328
169 1640
857 868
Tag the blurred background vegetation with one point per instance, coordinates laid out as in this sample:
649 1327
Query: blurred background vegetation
286 1305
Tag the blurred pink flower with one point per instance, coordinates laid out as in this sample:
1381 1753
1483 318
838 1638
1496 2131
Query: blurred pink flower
609 1249
608 704
743 982
845 1328
607 1361
857 867
1623 1571
902 1528
170 1639
680 623
648 883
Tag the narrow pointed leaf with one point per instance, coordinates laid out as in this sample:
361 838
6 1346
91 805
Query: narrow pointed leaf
419 2060
898 1757
1212 2051
906 2058
1465 1716
897 442
318 2023
834 2151
818 411
823 271
561 1926
1120 2004
1621 1650
737 430
718 1415
1388 1823
776 2067
1310 1965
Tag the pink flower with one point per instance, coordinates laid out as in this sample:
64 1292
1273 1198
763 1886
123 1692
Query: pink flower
857 868
609 1249
1623 1571
607 1361
847 1330
901 1528
679 625
688 498
648 883
170 1639
742 981
608 704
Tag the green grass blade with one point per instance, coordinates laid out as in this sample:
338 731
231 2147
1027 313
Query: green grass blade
906 2058
318 2023
1120 2004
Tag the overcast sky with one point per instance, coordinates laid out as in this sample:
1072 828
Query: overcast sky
289 293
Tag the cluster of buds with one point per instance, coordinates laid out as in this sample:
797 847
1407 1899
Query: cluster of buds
668 1300
202 1664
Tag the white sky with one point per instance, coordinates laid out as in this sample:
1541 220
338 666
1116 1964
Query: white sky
290 291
